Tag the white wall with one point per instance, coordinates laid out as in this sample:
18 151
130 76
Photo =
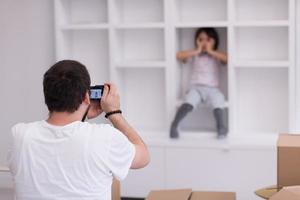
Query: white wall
26 51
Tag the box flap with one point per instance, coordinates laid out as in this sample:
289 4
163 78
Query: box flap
182 194
288 140
287 193
213 196
267 192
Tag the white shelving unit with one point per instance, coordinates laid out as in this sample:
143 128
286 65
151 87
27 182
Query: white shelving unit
134 42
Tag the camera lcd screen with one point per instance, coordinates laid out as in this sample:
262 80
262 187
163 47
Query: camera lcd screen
96 93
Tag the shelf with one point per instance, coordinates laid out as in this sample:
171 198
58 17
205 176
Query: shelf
90 47
200 10
271 43
139 11
202 24
261 64
140 26
273 23
207 140
141 64
71 12
261 100
180 102
143 94
140 45
261 10
84 27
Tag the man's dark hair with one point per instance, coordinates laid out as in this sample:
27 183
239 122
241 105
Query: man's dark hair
65 85
211 33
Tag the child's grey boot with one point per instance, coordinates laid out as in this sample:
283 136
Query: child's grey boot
181 113
222 130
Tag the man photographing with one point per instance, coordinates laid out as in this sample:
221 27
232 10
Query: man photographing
65 158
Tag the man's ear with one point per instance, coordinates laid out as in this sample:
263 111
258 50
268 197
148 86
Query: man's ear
87 98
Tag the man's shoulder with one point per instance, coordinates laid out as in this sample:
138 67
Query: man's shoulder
96 128
96 125
20 129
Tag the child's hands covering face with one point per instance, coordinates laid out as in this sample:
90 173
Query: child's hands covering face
210 45
200 46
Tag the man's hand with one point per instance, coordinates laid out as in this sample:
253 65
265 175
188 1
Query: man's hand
95 109
110 100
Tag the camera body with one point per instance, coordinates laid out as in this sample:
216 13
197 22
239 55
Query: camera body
96 92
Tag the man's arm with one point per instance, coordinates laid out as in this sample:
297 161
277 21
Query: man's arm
110 101
142 157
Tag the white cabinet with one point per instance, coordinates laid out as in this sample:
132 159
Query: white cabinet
239 170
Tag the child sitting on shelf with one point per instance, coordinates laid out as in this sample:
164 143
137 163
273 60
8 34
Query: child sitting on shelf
205 60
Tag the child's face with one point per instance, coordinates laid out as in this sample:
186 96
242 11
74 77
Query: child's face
205 40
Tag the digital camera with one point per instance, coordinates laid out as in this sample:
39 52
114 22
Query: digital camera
96 92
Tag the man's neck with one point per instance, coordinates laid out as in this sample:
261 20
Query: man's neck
63 118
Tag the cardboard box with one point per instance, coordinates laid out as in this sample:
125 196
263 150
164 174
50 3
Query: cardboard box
188 194
182 194
287 193
288 161
213 196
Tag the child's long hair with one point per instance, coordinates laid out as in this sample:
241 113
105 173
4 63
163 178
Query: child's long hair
211 32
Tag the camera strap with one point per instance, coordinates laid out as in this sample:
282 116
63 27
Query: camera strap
85 114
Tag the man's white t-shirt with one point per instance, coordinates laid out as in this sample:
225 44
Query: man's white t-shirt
75 161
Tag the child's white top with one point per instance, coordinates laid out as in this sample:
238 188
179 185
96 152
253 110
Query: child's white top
76 161
205 70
